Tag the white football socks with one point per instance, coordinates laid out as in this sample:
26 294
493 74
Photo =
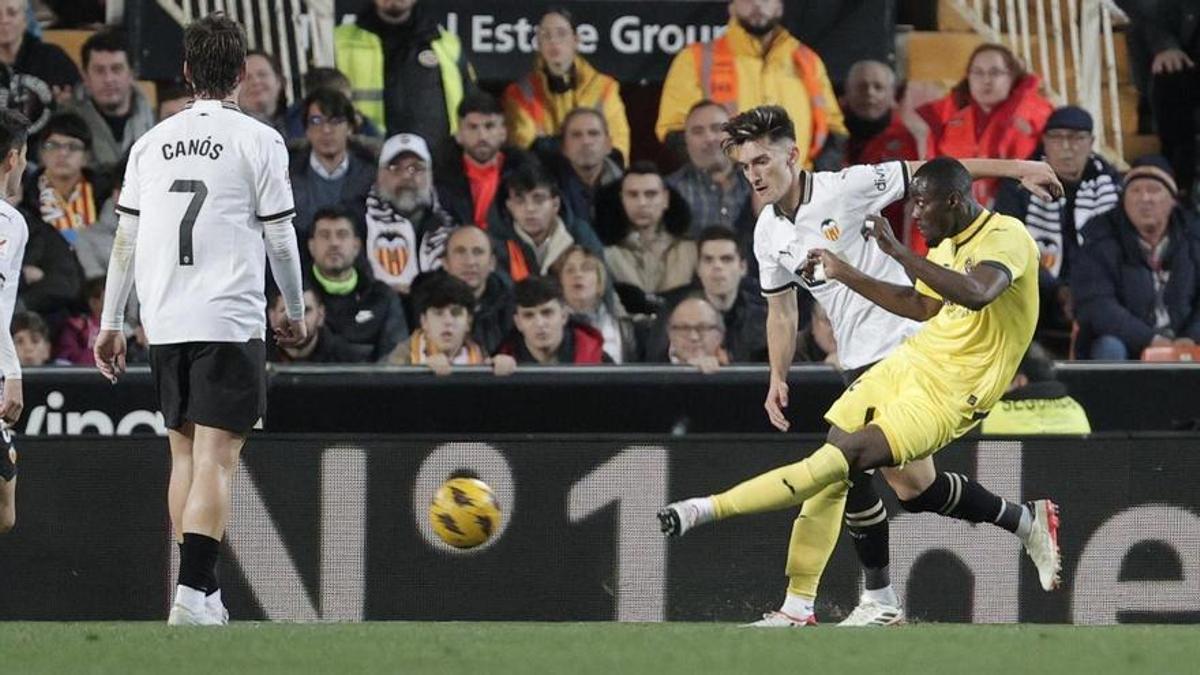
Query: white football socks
797 606
883 596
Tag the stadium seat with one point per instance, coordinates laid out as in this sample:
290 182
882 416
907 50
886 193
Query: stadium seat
1171 353
70 41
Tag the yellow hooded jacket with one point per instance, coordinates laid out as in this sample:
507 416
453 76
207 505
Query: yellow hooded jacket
784 75
532 110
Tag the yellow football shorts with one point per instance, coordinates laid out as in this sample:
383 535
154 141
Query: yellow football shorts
919 411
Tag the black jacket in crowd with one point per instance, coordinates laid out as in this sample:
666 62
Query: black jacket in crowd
371 317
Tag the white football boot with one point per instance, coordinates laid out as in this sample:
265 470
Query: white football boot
1042 544
873 613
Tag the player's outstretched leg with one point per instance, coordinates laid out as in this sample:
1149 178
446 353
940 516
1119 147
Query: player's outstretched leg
957 496
8 481
205 513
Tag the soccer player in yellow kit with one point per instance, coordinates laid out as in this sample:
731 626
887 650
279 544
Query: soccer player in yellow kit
977 292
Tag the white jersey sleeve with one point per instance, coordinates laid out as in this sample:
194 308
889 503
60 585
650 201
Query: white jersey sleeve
273 186
876 186
776 256
14 234
276 207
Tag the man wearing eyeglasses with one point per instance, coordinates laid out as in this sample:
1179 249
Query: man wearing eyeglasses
64 192
696 331
407 229
329 170
1091 187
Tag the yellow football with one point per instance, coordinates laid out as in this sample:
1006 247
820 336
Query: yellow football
464 512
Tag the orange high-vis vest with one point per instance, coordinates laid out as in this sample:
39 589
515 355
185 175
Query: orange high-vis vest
518 267
717 73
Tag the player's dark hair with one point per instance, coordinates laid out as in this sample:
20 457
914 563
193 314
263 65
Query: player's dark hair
717 233
69 125
479 102
214 49
529 177
561 11
335 213
107 40
325 78
443 290
1037 364
535 291
766 121
14 131
580 112
331 103
31 322
945 175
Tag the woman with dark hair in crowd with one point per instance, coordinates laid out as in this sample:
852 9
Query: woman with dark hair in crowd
995 111
262 94
561 80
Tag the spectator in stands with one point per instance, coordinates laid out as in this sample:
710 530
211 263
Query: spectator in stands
469 258
1137 278
43 75
540 233
816 342
1036 402
65 193
996 111
584 281
1091 186
1171 29
173 97
327 78
561 81
588 165
31 336
93 245
757 62
546 332
472 167
329 170
261 95
321 346
366 312
720 271
408 73
110 102
51 278
647 248
877 132
716 194
697 332
406 227
77 335
445 306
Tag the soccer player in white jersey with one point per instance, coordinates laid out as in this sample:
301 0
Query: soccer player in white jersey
202 191
828 210
14 233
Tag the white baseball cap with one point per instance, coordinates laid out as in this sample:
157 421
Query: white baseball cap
404 143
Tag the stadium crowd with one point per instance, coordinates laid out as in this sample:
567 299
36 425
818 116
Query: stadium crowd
444 225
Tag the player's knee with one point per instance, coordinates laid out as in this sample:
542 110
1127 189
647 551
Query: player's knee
929 500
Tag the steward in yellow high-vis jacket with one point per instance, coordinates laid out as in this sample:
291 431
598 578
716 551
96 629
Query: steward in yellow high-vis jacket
756 62
407 73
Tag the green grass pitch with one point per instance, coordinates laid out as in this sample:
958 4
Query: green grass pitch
580 648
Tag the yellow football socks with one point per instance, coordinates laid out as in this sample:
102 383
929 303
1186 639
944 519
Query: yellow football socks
814 535
786 486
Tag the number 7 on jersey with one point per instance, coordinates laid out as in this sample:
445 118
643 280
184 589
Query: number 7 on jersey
199 192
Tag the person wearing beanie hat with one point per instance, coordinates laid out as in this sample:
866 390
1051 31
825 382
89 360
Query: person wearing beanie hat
1137 280
1090 186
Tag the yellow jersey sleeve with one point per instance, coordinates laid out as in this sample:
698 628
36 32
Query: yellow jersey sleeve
1007 248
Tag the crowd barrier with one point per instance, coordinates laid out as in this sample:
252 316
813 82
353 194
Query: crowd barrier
611 399
335 528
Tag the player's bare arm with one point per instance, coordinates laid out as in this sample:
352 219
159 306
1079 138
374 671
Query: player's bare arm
782 318
901 300
1036 177
973 290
